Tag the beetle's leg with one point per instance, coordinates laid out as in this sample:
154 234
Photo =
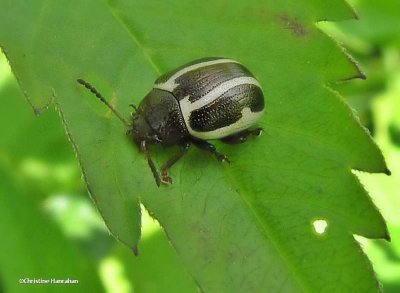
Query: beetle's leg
134 110
128 131
205 145
144 148
241 137
168 164
133 106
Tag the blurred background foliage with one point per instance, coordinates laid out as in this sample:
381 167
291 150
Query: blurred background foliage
47 218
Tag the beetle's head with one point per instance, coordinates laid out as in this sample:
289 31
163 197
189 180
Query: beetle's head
142 131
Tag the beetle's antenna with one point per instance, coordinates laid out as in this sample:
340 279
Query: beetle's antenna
143 147
101 98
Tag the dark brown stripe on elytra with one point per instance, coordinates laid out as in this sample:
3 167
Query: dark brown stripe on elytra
227 109
168 75
199 82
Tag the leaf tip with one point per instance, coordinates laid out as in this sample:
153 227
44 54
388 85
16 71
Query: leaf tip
353 11
387 172
38 106
135 250
362 76
37 111
356 67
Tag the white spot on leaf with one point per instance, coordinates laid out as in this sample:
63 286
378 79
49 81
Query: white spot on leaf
320 226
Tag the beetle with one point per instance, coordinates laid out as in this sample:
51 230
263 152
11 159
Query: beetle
209 98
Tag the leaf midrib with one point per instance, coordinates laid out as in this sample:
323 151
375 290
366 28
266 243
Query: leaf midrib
136 41
268 232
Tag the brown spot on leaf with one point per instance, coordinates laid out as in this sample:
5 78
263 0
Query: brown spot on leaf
294 25
263 13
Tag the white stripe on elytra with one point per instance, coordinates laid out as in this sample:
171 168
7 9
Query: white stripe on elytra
248 119
170 84
187 107
211 96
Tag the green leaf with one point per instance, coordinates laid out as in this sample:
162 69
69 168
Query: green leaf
375 40
244 227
